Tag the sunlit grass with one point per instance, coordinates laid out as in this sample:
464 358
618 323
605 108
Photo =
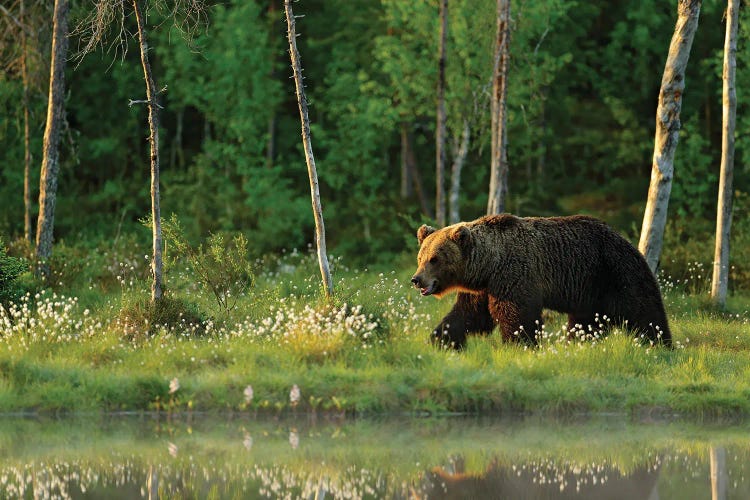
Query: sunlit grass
365 352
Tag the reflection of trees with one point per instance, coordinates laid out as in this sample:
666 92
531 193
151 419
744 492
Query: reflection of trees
719 476
541 479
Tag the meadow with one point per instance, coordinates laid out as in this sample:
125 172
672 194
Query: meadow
274 345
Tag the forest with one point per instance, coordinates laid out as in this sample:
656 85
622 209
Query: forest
583 81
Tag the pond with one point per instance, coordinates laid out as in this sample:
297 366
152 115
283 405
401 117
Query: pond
299 456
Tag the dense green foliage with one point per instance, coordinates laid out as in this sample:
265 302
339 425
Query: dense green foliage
10 269
583 85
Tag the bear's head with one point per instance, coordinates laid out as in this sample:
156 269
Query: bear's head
441 263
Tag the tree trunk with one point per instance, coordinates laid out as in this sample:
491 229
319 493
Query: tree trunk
406 185
320 234
416 179
50 159
26 133
720 279
153 125
271 142
499 160
667 131
458 163
441 119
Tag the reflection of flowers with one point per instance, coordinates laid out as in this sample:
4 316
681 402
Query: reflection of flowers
294 395
294 438
174 385
248 392
248 441
172 449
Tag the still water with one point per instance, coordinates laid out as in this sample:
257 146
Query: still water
302 457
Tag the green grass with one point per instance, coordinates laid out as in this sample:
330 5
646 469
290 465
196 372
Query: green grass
366 353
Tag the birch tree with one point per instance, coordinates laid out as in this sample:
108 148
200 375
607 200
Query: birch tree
153 139
320 233
667 131
461 149
720 280
50 153
499 149
440 130
186 14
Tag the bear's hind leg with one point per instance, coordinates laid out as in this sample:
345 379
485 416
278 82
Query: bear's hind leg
518 324
469 315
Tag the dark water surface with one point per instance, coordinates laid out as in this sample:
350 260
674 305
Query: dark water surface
302 457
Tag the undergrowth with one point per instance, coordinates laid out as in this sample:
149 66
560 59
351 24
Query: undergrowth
103 345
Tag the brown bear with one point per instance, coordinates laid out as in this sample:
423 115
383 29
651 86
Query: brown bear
506 269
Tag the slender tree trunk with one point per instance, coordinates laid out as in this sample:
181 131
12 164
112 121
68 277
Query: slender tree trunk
271 143
153 125
416 179
667 131
320 233
50 159
441 119
406 185
720 281
458 164
26 133
499 160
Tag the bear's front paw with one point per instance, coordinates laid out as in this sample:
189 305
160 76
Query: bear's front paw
441 337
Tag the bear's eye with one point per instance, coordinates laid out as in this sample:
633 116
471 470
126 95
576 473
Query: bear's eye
433 260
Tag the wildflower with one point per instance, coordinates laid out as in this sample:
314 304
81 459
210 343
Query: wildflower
248 392
172 448
294 395
174 385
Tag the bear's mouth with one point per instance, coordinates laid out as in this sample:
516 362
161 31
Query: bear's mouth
428 290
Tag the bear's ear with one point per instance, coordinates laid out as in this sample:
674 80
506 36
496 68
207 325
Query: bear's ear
423 232
461 235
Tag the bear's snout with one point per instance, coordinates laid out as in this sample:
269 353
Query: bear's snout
425 288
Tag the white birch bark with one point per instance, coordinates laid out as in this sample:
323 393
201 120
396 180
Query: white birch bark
320 234
667 131
720 280
458 164
153 125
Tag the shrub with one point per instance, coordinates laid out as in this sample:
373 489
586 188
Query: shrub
222 265
11 269
143 318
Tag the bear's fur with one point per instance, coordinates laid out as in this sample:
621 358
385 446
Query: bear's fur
507 269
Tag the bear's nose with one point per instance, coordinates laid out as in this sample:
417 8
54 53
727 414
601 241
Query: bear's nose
415 281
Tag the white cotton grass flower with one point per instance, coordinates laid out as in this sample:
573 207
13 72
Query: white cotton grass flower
248 392
174 385
294 395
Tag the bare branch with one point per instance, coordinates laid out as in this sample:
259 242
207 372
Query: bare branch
15 20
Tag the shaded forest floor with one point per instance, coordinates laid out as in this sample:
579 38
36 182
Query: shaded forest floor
91 344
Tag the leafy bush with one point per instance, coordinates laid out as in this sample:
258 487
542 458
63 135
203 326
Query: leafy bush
11 269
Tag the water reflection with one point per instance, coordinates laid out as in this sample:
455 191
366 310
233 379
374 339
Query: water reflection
534 458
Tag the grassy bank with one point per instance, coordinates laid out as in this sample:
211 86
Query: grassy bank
85 347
